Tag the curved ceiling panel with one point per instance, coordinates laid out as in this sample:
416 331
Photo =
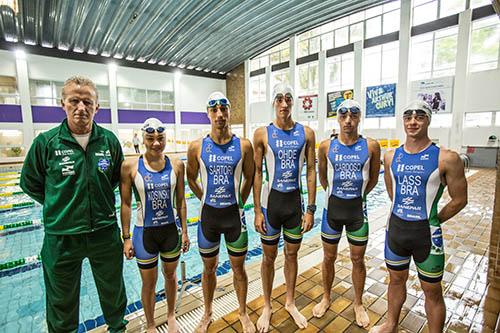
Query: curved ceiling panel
214 35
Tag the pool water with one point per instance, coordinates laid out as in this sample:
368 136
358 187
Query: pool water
22 296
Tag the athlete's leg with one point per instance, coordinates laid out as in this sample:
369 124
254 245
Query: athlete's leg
358 281
170 275
208 283
328 274
267 275
396 296
149 277
240 282
290 269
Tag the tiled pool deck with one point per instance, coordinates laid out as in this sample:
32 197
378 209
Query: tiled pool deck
472 305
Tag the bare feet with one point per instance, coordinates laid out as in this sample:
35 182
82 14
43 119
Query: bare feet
246 323
320 308
172 325
299 319
384 328
362 319
205 321
264 320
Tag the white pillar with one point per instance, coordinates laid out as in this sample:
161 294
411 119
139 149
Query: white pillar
293 71
24 97
247 100
402 88
177 108
321 96
461 76
359 93
113 97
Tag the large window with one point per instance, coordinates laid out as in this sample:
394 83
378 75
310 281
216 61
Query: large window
485 41
308 78
380 64
275 55
340 72
361 25
258 88
429 10
433 54
49 93
8 90
145 99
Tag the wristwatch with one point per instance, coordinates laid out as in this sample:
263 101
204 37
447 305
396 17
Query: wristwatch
311 209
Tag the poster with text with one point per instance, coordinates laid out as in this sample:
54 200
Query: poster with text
436 92
307 108
381 101
334 99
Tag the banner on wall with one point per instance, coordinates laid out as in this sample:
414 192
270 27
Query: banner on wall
307 108
334 99
381 101
437 92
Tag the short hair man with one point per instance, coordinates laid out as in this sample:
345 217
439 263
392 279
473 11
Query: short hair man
72 170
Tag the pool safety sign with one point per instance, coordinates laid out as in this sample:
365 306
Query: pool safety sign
307 108
334 99
381 101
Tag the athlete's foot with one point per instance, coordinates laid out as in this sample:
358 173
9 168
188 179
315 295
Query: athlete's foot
205 321
264 320
172 325
320 308
362 319
299 319
246 323
384 328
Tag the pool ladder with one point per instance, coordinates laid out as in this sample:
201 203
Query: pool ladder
185 283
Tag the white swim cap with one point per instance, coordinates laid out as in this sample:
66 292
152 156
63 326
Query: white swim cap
217 98
419 105
281 89
349 103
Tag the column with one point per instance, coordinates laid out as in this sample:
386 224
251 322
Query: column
113 97
321 96
461 75
24 98
404 59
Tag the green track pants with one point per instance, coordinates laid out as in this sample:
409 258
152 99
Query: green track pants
62 257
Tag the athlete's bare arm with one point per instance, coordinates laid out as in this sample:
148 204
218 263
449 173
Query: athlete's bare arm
308 221
248 169
374 151
193 167
259 145
126 180
180 200
323 163
389 155
453 175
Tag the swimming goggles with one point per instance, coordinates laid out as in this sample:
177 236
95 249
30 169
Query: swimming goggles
353 109
222 102
151 129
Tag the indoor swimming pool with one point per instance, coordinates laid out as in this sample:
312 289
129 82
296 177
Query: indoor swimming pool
22 291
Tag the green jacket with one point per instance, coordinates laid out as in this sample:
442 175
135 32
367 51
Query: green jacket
75 187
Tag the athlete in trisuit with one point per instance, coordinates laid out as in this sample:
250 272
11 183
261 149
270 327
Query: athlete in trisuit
283 145
348 168
221 159
416 175
157 182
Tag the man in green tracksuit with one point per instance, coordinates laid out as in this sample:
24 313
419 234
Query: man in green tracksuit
72 170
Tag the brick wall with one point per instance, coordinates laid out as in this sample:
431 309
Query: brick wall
235 89
494 256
